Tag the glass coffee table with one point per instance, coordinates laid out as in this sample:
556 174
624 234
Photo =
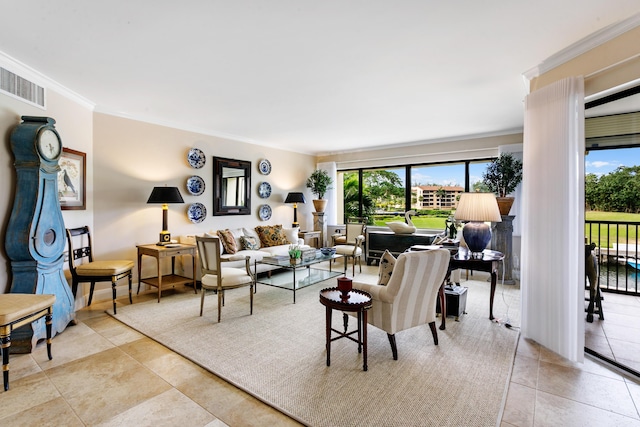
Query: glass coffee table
296 278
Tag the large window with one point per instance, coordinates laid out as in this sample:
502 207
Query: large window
437 187
432 190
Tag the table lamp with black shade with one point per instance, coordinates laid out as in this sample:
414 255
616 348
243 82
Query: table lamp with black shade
477 208
165 195
295 198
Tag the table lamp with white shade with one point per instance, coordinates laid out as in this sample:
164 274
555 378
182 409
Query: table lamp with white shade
478 209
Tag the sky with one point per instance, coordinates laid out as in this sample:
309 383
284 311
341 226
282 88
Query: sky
599 162
602 162
447 174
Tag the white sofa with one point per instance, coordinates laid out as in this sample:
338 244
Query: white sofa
237 260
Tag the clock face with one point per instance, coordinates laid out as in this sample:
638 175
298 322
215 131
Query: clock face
49 144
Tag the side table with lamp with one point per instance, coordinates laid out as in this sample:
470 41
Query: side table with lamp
477 209
164 248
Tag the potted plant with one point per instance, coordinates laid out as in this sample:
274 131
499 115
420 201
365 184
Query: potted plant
502 177
295 254
319 182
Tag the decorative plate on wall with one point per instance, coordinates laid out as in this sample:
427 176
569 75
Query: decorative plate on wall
196 212
264 190
195 185
196 158
265 167
265 212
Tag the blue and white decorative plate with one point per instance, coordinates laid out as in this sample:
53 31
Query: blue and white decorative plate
264 190
196 212
265 167
196 158
195 185
265 212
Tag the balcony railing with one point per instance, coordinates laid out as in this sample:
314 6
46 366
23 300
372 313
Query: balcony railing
617 249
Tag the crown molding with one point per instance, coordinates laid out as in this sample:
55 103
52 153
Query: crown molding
40 79
582 46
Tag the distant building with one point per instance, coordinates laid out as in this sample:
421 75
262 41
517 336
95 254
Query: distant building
426 197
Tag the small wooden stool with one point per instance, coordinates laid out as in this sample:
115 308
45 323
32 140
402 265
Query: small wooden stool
17 310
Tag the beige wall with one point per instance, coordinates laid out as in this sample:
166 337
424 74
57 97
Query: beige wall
132 157
74 123
609 65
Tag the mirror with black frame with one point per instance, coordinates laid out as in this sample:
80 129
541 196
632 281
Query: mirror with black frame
231 189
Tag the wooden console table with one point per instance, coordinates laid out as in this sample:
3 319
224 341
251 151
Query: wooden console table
378 241
164 252
489 263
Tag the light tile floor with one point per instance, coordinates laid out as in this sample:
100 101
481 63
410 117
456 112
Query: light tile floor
106 374
547 390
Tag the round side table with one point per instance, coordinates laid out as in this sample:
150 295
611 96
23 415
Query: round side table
356 301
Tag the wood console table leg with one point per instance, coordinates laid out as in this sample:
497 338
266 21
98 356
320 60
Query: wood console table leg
494 278
139 271
443 307
159 279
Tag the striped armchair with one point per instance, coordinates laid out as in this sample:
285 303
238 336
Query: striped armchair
410 297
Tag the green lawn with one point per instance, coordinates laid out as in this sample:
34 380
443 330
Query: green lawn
429 222
615 233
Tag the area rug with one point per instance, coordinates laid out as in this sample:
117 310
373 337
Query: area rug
278 355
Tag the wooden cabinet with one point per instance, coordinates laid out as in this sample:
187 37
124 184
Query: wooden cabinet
378 241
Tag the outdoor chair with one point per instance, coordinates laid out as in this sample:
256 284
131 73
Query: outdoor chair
595 296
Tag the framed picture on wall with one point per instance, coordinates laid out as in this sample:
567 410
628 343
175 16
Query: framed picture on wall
72 179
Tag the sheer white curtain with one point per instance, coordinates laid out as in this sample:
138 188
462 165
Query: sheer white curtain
331 211
552 276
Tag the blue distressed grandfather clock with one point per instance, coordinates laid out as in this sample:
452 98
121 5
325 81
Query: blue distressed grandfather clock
35 239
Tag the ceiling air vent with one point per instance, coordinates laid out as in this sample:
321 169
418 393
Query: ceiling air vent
21 88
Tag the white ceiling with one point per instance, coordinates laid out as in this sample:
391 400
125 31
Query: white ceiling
314 76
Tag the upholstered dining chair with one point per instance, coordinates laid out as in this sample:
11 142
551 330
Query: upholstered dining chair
18 310
84 268
341 238
409 299
220 279
353 244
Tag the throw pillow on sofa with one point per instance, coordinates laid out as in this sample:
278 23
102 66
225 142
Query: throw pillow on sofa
387 262
252 233
271 235
291 234
228 241
250 243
